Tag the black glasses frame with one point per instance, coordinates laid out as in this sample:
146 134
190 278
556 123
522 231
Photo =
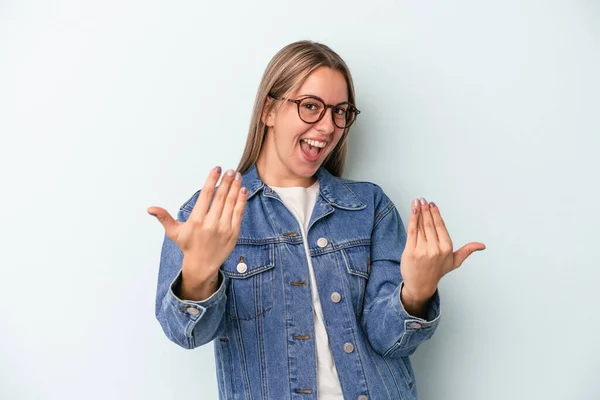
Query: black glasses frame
351 107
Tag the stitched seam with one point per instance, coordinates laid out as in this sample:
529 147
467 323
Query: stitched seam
250 273
350 311
383 213
248 319
392 374
245 377
284 287
223 364
406 373
357 198
383 378
271 240
335 247
263 362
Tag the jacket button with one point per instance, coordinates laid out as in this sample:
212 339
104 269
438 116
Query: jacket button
348 347
336 297
363 397
192 310
242 267
322 242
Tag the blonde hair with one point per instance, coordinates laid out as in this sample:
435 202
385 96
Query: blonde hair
285 73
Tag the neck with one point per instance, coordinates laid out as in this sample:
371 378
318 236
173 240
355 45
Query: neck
280 177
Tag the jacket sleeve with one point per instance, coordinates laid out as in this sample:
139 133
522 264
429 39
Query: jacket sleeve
188 323
391 331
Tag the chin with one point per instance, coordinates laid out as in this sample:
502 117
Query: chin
306 171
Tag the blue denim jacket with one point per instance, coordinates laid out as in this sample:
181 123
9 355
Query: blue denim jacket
261 320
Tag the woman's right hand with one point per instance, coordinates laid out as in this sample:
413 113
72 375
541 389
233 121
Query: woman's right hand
210 233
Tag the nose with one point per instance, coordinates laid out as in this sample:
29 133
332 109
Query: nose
326 125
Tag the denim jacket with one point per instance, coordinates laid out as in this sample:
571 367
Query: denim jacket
261 319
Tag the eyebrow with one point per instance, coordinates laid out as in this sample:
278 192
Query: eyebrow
314 95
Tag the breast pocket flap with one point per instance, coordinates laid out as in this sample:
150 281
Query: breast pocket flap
248 260
358 261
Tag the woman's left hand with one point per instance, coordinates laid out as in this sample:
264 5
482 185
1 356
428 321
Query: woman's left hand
428 254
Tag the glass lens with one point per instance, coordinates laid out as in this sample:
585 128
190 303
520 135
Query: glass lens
350 116
343 115
311 110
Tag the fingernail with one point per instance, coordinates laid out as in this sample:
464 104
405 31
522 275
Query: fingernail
415 211
238 176
423 201
244 190
432 204
416 203
218 170
230 172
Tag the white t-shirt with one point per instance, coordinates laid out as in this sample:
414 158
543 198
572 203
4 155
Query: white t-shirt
301 201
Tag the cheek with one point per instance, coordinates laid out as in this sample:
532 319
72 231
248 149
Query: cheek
338 136
287 117
289 126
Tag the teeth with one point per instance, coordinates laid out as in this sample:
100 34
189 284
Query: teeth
315 143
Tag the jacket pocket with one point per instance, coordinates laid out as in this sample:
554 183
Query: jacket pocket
409 377
250 291
402 374
224 368
358 265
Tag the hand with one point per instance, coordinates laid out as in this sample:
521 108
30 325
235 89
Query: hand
209 235
428 254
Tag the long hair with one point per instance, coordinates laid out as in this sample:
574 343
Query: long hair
285 73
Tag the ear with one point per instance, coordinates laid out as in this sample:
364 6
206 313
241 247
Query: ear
268 118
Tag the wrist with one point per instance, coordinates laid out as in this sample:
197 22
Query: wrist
197 273
195 281
416 303
197 288
417 295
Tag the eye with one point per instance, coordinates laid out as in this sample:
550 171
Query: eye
310 106
341 111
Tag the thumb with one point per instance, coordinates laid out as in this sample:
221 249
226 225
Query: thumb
165 219
461 254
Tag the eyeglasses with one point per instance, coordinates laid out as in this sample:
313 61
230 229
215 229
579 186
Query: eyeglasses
311 110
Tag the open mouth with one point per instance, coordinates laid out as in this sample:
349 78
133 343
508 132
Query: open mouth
311 149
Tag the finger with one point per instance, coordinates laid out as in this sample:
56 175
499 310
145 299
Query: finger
165 219
411 241
440 225
461 254
232 197
430 232
238 211
421 237
201 207
218 203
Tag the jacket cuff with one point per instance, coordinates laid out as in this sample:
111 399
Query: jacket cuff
412 322
194 310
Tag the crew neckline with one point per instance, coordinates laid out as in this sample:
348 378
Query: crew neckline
296 187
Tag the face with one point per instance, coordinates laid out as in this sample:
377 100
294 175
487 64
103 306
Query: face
286 158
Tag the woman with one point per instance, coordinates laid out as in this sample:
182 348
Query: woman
308 284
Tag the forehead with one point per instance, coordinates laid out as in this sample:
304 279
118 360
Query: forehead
327 83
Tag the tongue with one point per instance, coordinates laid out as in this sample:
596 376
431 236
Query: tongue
312 152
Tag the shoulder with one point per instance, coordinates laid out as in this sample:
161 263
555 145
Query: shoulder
189 204
370 193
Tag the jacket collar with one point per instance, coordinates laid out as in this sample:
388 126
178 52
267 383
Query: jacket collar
332 188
